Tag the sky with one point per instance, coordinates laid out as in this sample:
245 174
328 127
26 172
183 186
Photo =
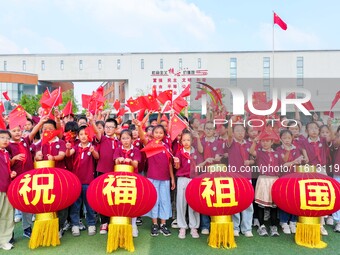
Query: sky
111 26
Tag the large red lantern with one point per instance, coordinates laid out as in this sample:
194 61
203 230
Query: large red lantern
308 195
44 191
121 195
220 196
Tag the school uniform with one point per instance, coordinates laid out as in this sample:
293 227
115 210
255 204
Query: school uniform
106 150
52 148
132 153
317 153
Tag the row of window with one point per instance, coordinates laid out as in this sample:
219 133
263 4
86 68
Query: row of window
233 66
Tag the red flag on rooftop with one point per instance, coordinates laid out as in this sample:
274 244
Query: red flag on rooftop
279 21
17 117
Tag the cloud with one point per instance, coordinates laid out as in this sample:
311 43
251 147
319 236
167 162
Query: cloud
291 39
7 46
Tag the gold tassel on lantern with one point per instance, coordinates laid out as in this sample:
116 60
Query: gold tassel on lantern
120 234
120 228
45 230
308 232
222 232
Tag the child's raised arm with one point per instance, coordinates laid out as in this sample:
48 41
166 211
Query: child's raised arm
37 127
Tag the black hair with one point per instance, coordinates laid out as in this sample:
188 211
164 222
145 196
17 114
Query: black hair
285 131
3 131
30 120
71 126
310 123
52 122
132 127
159 126
100 122
186 131
292 124
324 126
209 122
112 120
126 131
82 117
185 118
80 129
148 127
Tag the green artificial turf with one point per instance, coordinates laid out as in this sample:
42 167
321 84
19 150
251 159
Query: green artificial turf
161 245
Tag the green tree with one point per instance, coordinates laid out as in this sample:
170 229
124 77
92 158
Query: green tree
67 96
30 103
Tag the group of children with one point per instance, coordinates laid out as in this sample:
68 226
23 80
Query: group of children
201 144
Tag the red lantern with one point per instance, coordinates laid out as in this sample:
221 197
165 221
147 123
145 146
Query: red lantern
44 191
308 195
220 197
121 195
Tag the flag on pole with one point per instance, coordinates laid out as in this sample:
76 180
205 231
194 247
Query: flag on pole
336 99
280 22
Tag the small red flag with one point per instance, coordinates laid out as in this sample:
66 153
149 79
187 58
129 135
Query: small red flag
2 123
69 136
154 91
166 107
17 117
164 118
6 96
329 113
336 99
89 131
2 107
67 109
176 127
279 21
179 103
165 96
56 98
150 102
154 148
268 133
140 115
46 95
121 112
185 92
116 104
134 104
308 105
48 135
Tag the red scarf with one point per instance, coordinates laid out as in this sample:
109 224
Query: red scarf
22 150
242 149
127 154
80 155
7 160
317 150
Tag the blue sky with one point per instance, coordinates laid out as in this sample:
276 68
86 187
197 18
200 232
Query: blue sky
98 26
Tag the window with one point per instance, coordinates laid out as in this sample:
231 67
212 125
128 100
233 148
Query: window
61 64
24 65
81 65
42 65
233 68
180 64
299 67
5 65
99 64
161 63
118 64
199 63
266 67
142 63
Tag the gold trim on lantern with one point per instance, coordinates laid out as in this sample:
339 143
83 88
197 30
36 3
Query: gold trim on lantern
124 168
46 216
120 220
43 164
221 219
309 220
306 169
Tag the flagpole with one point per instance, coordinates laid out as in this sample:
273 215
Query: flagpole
273 50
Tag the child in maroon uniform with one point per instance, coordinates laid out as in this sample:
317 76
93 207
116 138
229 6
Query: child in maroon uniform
107 145
238 151
83 167
6 209
267 161
182 164
22 161
127 154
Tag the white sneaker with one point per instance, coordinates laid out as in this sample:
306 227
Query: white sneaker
181 234
103 229
337 228
248 234
194 233
134 231
236 233
91 230
205 231
174 224
292 226
33 217
75 231
323 231
330 221
285 228
6 246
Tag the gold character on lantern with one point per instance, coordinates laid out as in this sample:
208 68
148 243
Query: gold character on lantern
225 192
40 186
125 191
316 194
